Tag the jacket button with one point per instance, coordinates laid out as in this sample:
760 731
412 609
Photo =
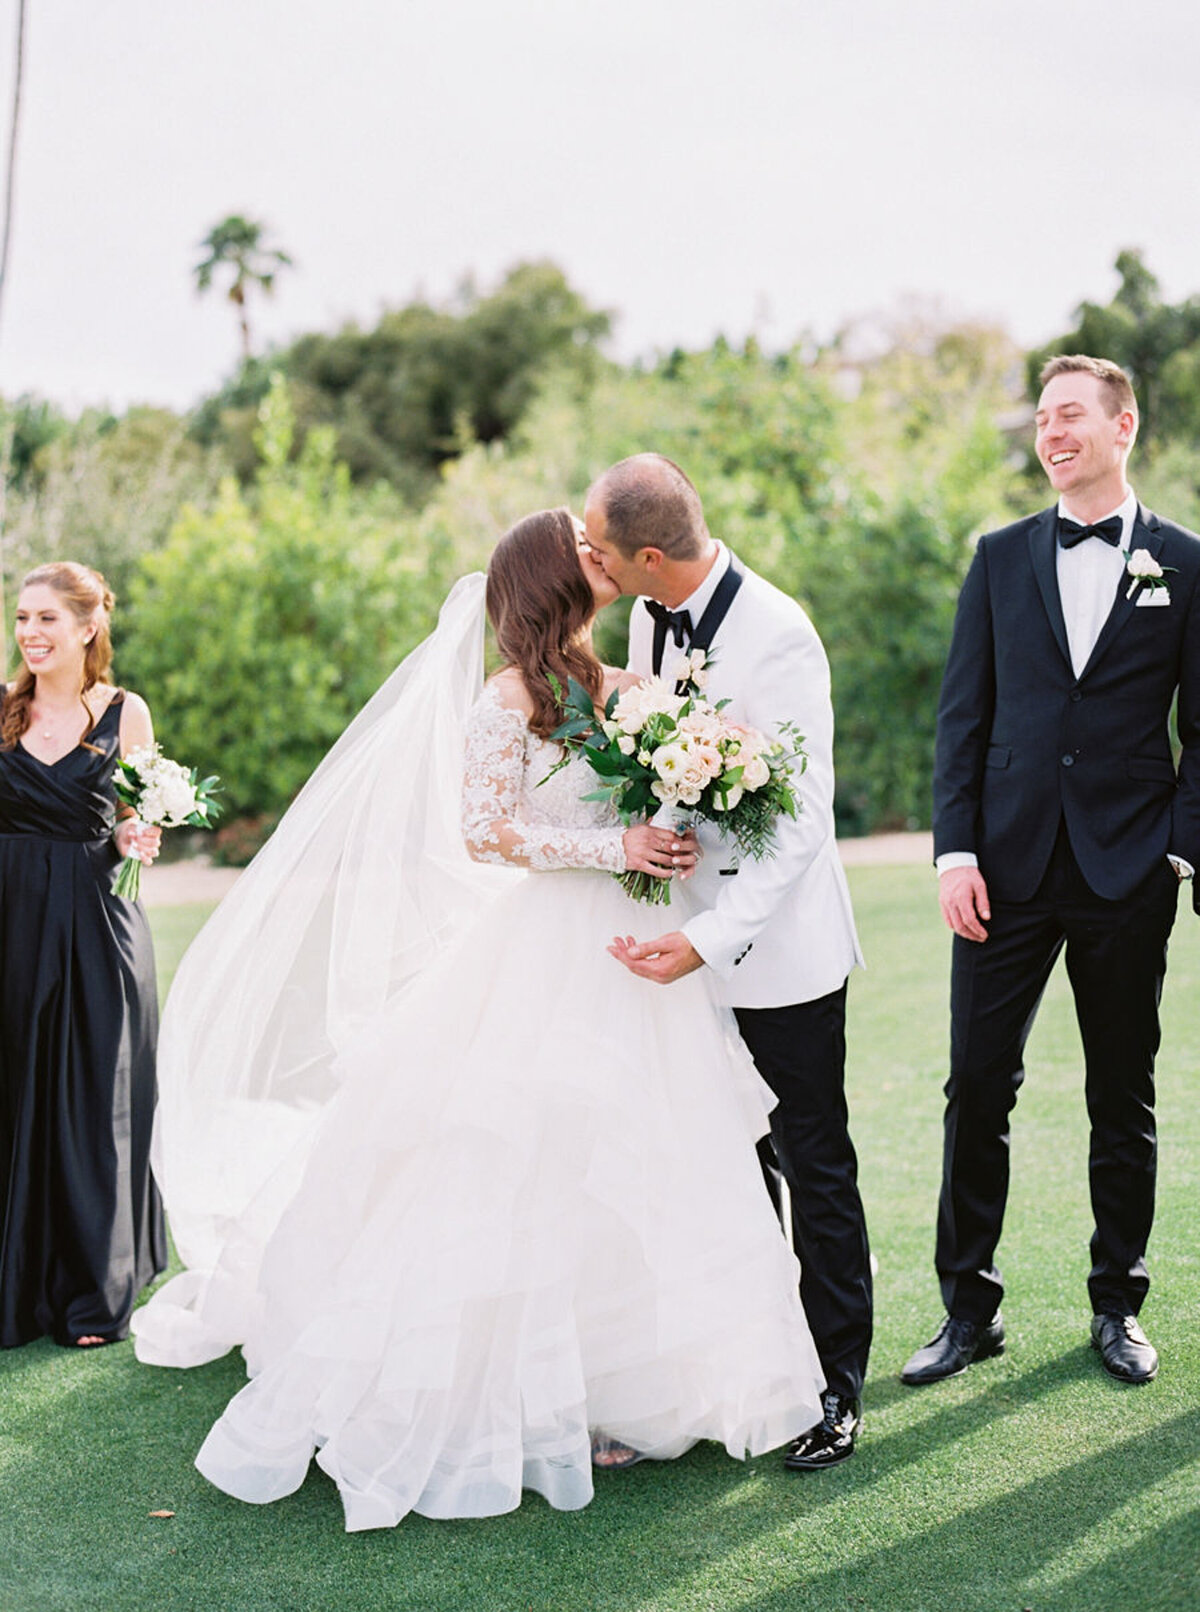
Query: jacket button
1068 761
1076 695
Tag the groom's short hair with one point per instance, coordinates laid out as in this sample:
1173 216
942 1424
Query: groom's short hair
1116 389
648 502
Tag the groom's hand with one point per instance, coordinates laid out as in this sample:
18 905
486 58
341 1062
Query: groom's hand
668 958
964 900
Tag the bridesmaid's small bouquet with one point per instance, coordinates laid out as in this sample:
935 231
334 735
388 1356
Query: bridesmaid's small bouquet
163 794
663 749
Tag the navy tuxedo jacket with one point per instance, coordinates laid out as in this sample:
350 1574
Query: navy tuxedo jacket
1022 743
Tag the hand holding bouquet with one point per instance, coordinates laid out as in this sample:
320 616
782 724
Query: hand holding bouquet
163 794
679 757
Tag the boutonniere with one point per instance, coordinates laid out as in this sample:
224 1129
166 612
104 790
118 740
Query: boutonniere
1145 571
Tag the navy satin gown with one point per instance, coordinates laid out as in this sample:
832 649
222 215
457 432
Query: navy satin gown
83 1225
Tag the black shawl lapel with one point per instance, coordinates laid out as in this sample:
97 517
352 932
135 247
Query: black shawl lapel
1043 554
1145 535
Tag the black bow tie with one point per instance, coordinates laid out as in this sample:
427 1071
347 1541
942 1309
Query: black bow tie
1070 532
677 622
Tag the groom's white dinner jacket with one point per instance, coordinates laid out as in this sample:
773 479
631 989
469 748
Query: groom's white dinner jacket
779 931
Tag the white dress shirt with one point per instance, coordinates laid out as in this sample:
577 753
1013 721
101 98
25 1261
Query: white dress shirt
1089 575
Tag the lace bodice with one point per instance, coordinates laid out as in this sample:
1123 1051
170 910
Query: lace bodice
510 815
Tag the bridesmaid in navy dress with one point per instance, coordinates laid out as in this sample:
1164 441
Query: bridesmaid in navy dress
82 1230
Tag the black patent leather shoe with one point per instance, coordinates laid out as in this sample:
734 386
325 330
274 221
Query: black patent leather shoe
955 1345
831 1440
1124 1348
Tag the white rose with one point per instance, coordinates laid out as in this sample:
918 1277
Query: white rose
1142 563
663 792
704 753
756 774
688 795
179 800
679 670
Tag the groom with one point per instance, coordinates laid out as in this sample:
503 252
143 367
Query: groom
779 933
1060 820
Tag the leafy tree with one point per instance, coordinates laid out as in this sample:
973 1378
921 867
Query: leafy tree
266 620
236 247
102 489
411 393
1158 343
35 424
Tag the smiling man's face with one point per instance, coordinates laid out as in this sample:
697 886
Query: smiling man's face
1082 447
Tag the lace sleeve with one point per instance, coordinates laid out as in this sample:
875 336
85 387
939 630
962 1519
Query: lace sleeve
493 825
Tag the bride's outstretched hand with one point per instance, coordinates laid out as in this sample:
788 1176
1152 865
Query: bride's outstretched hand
660 851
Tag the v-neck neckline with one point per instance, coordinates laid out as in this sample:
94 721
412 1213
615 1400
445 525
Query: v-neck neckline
67 754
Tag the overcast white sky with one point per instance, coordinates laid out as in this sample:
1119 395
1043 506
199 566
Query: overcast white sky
693 165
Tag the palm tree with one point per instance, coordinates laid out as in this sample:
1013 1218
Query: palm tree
236 244
10 175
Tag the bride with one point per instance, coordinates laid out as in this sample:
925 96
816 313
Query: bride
475 1201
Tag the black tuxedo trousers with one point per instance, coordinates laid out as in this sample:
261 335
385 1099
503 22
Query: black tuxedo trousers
1116 957
800 1051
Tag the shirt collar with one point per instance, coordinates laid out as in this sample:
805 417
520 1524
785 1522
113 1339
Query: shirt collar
1127 509
697 603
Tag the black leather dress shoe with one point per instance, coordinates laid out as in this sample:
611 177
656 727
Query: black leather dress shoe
953 1348
1125 1349
831 1440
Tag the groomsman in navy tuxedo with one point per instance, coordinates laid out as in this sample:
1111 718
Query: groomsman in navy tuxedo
1062 821
778 934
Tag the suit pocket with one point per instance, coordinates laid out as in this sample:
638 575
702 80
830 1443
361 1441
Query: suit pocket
998 755
1151 769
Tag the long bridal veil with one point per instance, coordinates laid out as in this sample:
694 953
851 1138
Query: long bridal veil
365 881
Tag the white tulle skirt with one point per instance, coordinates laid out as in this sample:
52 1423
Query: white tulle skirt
533 1210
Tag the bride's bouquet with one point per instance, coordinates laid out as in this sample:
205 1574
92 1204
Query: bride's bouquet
163 794
663 749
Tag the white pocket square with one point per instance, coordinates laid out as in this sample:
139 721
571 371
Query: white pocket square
1152 596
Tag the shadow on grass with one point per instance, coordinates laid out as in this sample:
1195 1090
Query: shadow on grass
1162 1569
979 1557
106 1442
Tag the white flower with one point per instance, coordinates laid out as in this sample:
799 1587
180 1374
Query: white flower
664 792
726 803
670 761
644 758
626 744
688 668
1141 563
689 795
702 723
756 773
643 700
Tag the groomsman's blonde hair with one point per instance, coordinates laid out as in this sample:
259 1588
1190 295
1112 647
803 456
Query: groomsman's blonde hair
1115 386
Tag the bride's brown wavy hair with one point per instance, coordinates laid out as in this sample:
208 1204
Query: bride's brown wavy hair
89 598
539 604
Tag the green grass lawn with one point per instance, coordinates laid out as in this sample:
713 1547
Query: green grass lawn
1032 1481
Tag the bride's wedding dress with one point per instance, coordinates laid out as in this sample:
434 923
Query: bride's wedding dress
531 1209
